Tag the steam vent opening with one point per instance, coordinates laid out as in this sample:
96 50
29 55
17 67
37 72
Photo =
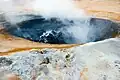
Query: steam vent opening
57 31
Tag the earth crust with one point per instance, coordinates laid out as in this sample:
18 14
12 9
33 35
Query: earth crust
90 61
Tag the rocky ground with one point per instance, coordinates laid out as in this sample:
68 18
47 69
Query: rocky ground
21 59
91 61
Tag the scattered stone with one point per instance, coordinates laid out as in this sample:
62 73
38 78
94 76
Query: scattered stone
45 61
5 61
12 77
91 61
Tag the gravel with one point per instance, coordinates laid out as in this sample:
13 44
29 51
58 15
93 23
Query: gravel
91 61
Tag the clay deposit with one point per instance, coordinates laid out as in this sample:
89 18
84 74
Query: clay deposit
107 9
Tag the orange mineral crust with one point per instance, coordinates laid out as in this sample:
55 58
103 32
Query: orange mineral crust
107 9
9 44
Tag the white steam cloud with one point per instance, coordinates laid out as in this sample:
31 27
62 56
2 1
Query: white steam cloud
48 8
63 9
59 8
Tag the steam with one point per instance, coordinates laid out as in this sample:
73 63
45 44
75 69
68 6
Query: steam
57 8
46 8
62 9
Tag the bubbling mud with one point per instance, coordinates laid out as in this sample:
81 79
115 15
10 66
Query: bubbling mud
57 31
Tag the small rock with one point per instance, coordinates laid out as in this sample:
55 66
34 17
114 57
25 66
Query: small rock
5 61
12 77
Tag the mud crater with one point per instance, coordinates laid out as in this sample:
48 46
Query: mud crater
57 31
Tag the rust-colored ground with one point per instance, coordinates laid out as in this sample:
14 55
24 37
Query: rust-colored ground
10 44
107 9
